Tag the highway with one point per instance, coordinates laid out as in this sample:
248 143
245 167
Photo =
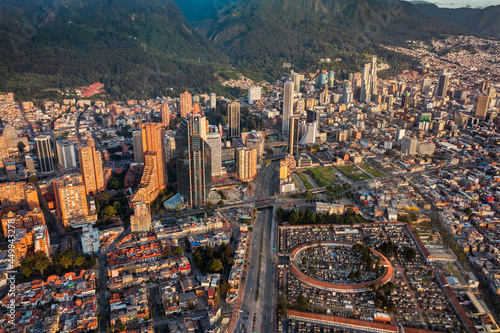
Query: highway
253 305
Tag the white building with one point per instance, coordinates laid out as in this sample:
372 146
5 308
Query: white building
214 141
66 155
254 94
288 93
90 240
409 146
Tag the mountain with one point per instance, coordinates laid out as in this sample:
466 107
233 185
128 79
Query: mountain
135 48
264 33
485 22
455 15
198 10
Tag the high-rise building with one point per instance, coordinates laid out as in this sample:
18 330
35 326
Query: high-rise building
154 177
41 239
482 106
19 194
296 78
44 153
365 84
90 240
347 92
141 220
426 85
91 168
169 146
409 146
233 119
30 164
71 200
400 133
194 161
373 76
246 164
309 137
66 155
137 142
293 137
254 94
331 79
186 103
288 92
165 114
213 101
22 219
214 141
444 81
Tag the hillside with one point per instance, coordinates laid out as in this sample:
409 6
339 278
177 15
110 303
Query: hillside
486 21
133 47
261 34
455 15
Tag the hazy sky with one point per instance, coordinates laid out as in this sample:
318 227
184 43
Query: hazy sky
463 3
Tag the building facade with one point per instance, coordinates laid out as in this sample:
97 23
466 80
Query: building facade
44 153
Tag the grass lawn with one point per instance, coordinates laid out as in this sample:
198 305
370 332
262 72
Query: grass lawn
323 176
372 170
306 182
360 219
337 189
352 172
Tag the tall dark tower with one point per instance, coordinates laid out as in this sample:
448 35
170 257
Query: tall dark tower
293 137
194 160
44 152
233 119
444 81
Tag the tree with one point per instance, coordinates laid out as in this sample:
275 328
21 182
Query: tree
79 261
178 250
109 210
21 146
41 262
26 271
468 211
32 179
119 326
302 303
215 266
225 287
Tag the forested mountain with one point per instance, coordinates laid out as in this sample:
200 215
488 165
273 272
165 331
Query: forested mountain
265 33
455 15
486 21
137 47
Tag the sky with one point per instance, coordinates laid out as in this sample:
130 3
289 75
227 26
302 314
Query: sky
463 3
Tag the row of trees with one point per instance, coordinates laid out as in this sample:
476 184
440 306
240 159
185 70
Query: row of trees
295 217
38 264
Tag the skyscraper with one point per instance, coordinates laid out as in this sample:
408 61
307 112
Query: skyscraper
194 161
254 94
154 177
373 76
287 105
141 220
246 164
331 79
482 106
66 155
409 146
71 201
186 103
165 114
137 142
293 137
213 101
44 153
444 80
347 92
426 85
366 84
214 141
233 119
91 168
